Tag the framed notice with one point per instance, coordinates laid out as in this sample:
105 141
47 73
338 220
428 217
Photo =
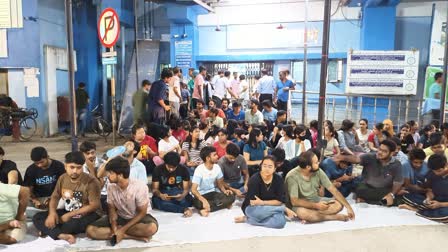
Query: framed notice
382 72
184 53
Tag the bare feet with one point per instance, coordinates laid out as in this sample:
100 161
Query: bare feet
360 200
137 238
230 207
14 224
68 237
240 219
188 213
290 213
407 207
204 213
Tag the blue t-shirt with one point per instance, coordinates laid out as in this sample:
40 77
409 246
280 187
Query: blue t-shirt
157 92
416 176
434 89
333 171
184 93
240 117
281 94
255 154
240 144
270 116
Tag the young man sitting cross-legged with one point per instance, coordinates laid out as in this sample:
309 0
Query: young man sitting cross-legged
303 185
129 207
13 201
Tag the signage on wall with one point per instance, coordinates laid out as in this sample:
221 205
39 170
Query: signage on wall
382 72
184 53
438 38
108 27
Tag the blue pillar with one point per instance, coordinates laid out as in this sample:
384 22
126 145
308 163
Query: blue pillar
378 28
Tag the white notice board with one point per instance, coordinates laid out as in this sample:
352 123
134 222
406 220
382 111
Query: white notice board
382 72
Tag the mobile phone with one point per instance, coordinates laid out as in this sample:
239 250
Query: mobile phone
113 240
330 202
384 202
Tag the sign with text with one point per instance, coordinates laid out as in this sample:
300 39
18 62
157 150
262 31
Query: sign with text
184 53
382 72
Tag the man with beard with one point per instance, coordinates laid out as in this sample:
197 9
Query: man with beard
382 177
80 193
303 183
225 106
233 165
253 115
129 208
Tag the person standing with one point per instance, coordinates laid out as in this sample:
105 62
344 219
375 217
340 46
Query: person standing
235 83
139 101
174 91
435 91
82 101
222 86
157 97
282 91
266 87
198 89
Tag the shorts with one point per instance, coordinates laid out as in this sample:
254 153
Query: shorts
104 221
17 233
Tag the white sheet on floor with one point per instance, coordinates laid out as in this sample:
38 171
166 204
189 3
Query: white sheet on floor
219 226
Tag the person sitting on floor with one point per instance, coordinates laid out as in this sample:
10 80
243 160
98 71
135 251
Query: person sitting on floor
222 143
303 183
415 171
80 193
437 141
207 180
138 169
233 165
9 174
148 146
41 177
433 205
129 208
13 202
171 186
264 202
340 174
382 177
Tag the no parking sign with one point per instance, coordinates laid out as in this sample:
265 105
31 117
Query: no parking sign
108 27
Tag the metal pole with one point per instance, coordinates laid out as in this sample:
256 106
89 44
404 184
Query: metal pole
136 44
305 59
323 70
71 73
114 102
445 70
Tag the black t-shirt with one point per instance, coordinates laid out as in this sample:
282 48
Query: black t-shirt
7 166
169 180
406 142
257 187
43 181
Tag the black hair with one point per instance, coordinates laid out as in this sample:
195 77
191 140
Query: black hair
202 68
255 101
267 103
347 125
232 124
119 165
233 150
87 146
240 131
418 154
82 85
444 126
279 154
314 124
268 157
76 157
379 126
172 158
438 75
164 132
166 73
215 111
145 83
225 99
264 71
436 162
227 73
136 127
365 120
281 113
305 159
299 129
242 77
236 104
391 145
223 131
252 142
176 70
200 101
208 77
220 71
405 126
411 123
206 151
190 138
2 152
38 153
436 138
289 131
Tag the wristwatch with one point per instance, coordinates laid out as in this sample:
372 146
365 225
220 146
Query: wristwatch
392 195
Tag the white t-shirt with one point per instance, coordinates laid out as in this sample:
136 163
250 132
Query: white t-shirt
221 87
168 146
329 150
205 178
175 82
245 94
363 139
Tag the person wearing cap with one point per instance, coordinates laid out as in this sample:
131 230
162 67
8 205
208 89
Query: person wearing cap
138 169
253 115
171 186
13 202
236 112
129 208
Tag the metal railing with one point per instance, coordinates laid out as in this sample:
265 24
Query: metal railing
400 109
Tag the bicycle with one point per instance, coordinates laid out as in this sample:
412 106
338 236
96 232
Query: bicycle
99 125
26 118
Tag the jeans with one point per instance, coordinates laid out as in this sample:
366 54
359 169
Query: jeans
266 216
73 226
416 200
82 118
173 206
217 201
157 115
237 185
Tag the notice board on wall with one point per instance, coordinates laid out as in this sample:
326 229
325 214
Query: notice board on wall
382 72
438 37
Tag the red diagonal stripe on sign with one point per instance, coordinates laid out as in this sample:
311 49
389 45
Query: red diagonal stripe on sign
108 26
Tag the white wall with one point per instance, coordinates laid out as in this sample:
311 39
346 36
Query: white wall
16 86
421 9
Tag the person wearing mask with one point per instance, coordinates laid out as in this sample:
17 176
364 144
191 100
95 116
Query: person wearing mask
282 91
299 145
157 96
139 101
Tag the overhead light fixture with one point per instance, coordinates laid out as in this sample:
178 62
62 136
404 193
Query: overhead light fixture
184 35
280 27
176 36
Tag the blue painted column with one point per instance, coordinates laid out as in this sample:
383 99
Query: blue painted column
378 28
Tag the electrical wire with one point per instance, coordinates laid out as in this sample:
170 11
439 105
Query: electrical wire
348 20
339 5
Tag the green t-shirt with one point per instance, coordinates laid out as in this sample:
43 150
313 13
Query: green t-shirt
9 202
300 188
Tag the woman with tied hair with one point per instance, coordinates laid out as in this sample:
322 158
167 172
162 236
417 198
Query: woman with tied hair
299 145
389 127
191 149
255 150
377 136
348 139
288 135
363 133
264 202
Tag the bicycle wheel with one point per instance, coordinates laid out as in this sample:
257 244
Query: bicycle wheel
28 127
102 127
